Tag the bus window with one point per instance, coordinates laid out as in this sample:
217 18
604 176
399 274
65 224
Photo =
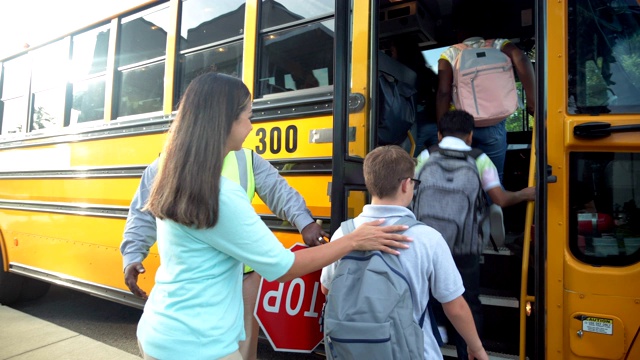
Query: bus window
14 95
286 61
226 59
48 85
604 193
275 13
142 51
209 35
209 21
88 71
604 71
142 90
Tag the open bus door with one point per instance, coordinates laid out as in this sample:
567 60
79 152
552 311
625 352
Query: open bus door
350 114
354 134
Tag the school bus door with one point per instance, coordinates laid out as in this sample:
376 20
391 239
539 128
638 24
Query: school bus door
351 108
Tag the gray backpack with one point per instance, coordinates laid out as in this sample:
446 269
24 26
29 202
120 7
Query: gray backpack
368 313
450 199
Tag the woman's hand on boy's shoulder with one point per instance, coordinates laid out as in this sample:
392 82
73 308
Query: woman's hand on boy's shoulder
372 236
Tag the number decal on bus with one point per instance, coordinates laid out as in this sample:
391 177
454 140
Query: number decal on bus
274 140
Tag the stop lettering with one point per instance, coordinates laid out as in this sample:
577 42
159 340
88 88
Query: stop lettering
289 312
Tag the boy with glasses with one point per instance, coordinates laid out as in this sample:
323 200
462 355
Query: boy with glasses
428 263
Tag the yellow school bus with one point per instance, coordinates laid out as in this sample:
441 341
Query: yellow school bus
82 115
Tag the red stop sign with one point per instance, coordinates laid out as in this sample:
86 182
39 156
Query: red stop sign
289 313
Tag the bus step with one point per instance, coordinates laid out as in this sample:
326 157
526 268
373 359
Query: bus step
449 351
501 301
490 250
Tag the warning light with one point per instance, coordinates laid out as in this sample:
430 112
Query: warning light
528 308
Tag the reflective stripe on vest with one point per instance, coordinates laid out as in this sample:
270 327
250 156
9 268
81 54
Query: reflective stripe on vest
238 167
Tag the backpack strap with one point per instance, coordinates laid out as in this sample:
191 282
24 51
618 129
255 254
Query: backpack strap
474 152
348 226
407 220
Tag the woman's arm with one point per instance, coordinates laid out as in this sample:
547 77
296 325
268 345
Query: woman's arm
368 236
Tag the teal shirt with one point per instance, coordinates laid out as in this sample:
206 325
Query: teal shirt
195 310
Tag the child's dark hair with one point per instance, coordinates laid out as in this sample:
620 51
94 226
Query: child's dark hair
458 123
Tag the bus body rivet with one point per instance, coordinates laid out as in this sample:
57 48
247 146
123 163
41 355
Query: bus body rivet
580 333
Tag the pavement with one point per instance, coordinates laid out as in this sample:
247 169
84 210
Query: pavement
24 337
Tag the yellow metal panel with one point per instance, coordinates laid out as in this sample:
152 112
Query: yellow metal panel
314 190
288 239
602 280
355 203
130 150
83 247
103 191
125 150
618 313
250 43
170 63
602 292
557 193
360 74
47 157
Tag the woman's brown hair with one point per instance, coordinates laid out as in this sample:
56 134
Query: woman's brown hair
186 189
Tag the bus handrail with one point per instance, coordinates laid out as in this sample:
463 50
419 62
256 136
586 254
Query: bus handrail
526 247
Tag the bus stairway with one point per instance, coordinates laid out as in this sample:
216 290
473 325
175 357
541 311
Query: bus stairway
449 353
499 289
500 278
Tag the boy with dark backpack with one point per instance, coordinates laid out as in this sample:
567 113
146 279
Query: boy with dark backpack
377 303
451 199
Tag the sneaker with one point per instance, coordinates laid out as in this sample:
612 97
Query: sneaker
497 225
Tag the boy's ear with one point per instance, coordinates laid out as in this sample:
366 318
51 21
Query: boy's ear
404 185
469 139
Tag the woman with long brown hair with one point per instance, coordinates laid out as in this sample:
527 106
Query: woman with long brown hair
207 229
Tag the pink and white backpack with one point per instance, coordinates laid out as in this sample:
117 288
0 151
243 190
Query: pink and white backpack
484 84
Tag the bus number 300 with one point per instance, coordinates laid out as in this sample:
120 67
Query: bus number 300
275 140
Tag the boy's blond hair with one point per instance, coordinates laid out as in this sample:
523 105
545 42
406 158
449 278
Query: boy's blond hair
385 167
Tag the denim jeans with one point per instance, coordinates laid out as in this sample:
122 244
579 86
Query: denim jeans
492 140
427 136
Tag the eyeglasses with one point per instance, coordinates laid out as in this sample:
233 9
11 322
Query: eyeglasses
416 182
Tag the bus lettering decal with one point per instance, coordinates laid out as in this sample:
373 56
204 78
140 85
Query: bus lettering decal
276 141
291 139
262 139
275 137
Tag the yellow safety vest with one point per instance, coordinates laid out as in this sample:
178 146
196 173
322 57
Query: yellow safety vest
238 167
